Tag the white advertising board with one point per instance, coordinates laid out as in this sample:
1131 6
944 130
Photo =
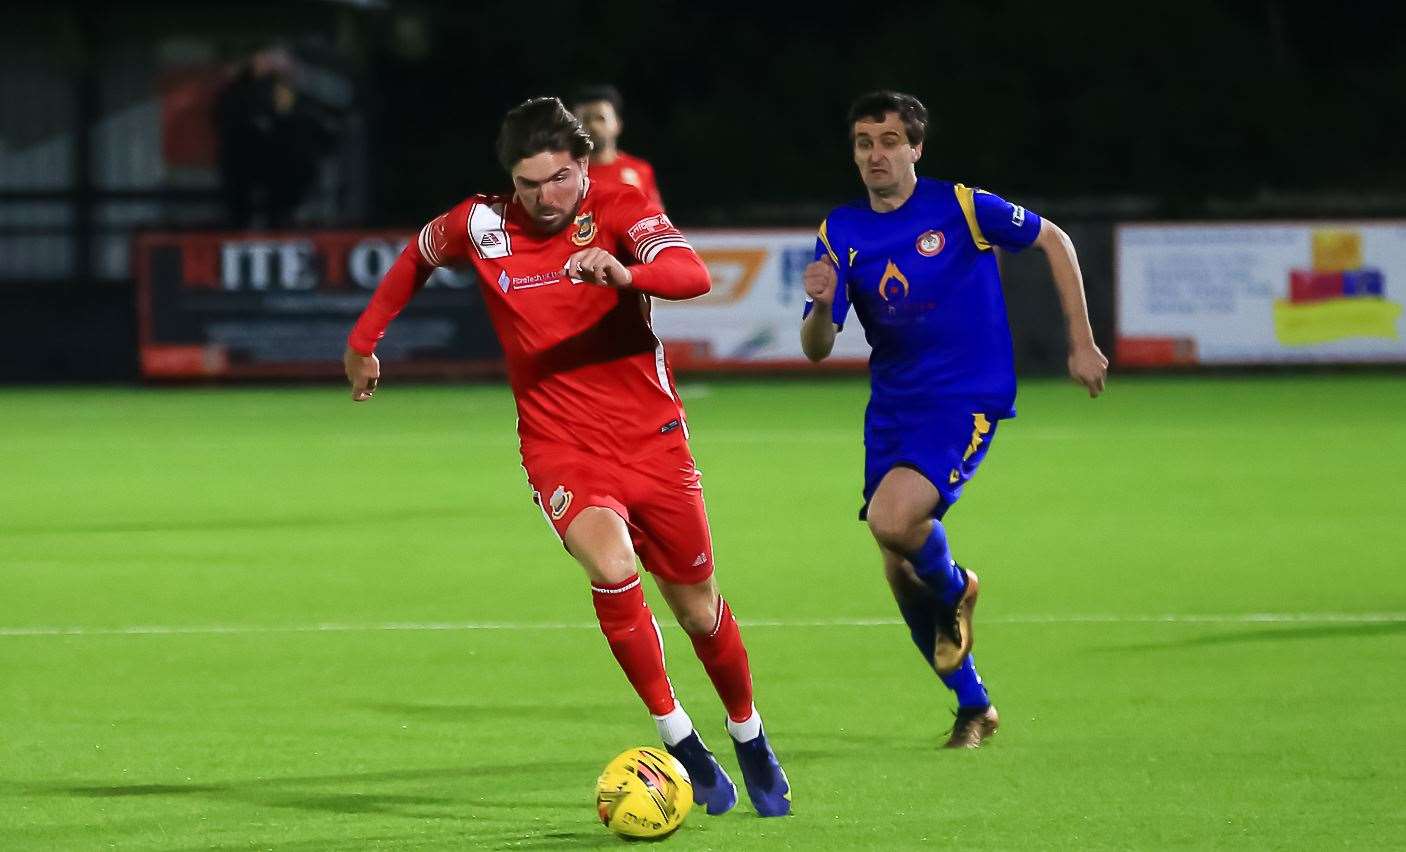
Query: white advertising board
752 316
1258 293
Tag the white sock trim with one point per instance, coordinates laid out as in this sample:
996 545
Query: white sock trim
747 730
625 588
675 726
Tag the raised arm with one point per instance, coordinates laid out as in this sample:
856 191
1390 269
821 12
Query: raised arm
668 267
818 327
1087 365
676 275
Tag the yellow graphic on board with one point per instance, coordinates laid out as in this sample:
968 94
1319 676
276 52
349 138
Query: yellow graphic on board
1340 297
1337 319
1336 250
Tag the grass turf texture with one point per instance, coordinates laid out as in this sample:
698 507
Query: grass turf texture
267 512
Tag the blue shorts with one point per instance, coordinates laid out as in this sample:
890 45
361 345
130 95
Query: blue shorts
945 448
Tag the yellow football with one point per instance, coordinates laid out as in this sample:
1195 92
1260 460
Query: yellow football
644 793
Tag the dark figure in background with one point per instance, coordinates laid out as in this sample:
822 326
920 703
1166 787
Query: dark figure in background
271 143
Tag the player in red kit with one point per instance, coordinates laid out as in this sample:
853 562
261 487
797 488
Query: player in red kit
599 108
568 268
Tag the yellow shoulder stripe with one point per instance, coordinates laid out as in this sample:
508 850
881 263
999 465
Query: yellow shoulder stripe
965 198
825 241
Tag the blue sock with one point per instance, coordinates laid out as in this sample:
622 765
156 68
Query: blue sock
971 692
935 567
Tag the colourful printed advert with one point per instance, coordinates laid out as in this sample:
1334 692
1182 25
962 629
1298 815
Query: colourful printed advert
1252 293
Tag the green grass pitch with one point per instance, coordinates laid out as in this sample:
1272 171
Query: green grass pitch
269 619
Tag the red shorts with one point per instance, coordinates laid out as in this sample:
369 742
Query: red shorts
660 498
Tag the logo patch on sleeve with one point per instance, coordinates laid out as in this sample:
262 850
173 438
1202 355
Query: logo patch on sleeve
650 225
1017 215
488 231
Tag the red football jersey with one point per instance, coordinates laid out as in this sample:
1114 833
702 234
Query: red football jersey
629 170
584 365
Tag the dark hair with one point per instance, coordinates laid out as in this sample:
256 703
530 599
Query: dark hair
876 105
597 92
537 125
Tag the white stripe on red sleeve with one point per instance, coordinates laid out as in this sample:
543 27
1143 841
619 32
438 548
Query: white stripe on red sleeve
427 245
649 254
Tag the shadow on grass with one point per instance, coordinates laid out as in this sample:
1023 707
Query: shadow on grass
284 792
561 840
468 815
1305 632
453 839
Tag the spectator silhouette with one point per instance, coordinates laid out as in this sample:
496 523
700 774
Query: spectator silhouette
271 143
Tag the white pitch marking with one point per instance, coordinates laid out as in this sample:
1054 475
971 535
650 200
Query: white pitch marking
456 626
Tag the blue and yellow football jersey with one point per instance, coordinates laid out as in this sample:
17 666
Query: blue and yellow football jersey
924 283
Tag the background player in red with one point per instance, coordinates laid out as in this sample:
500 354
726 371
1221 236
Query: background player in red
599 108
568 268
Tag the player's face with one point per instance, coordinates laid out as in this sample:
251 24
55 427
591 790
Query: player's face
601 121
550 186
883 155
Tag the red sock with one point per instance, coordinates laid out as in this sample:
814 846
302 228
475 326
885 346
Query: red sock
635 641
725 658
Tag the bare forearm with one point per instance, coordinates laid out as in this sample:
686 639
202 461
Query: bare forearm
1069 283
818 334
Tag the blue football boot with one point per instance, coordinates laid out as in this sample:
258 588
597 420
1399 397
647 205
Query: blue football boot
711 786
767 786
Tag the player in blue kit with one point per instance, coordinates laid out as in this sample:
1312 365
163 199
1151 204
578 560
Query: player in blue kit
916 261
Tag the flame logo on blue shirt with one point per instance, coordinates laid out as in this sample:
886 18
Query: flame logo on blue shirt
894 285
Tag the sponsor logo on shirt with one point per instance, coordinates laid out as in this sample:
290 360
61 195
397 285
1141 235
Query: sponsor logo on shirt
527 282
893 287
930 243
650 225
489 240
585 229
668 427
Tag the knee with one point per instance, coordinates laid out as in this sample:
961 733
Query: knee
609 567
597 538
893 532
700 618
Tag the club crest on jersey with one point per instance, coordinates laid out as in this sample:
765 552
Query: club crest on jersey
559 502
585 229
931 243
